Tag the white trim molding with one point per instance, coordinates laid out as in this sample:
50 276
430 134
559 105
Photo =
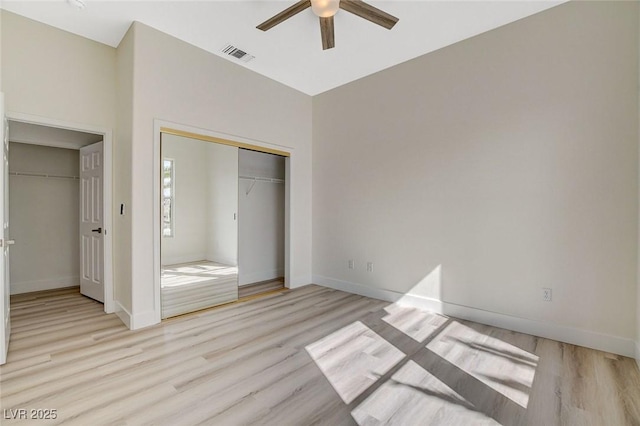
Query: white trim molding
143 319
135 322
299 281
590 339
638 354
123 314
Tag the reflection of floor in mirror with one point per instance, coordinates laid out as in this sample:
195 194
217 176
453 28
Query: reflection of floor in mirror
189 287
310 355
196 272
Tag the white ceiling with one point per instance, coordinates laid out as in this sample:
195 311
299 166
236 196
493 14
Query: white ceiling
291 52
50 136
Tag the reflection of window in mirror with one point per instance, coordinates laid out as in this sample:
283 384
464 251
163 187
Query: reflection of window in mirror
168 202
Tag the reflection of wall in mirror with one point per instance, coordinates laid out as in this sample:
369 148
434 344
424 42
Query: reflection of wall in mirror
222 243
204 228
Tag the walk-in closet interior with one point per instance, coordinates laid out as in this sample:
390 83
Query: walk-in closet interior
223 223
43 207
46 200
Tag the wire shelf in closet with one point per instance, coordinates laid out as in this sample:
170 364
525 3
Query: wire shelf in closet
42 175
260 179
263 179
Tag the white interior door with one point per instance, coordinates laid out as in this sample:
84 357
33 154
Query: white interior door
5 328
91 222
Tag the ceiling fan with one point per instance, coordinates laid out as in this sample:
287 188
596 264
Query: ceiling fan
325 10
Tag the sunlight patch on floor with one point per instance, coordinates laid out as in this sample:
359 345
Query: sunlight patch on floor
414 396
353 358
415 323
503 367
196 273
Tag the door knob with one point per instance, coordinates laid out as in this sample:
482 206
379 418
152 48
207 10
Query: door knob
99 230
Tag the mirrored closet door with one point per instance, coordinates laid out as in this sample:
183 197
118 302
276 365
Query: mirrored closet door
199 244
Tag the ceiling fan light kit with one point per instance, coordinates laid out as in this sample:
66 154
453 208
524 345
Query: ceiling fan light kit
325 10
78 4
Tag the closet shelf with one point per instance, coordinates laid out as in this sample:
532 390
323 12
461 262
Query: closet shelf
259 179
44 175
262 179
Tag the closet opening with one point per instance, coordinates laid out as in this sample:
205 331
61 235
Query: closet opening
222 228
261 206
56 209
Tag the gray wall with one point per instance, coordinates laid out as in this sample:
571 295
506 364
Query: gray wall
261 218
43 218
56 74
502 164
222 242
122 165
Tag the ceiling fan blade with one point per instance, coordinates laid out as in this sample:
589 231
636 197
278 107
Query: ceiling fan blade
326 30
368 12
284 15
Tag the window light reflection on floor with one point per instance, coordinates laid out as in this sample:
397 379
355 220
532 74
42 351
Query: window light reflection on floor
353 358
502 366
444 371
414 396
415 323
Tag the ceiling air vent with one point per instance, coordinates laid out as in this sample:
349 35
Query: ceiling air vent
237 53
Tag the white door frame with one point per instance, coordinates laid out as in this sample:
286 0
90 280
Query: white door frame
157 200
107 135
5 307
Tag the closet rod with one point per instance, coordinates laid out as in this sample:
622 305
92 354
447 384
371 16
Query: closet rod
255 179
44 175
262 179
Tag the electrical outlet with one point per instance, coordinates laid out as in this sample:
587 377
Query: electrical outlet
546 294
369 266
351 264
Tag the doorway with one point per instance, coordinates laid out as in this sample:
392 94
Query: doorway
261 208
59 177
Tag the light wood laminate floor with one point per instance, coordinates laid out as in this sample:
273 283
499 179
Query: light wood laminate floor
306 356
261 287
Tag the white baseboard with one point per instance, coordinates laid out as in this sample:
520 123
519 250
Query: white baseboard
221 259
256 277
144 319
638 354
590 339
39 285
138 321
299 281
177 260
123 314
